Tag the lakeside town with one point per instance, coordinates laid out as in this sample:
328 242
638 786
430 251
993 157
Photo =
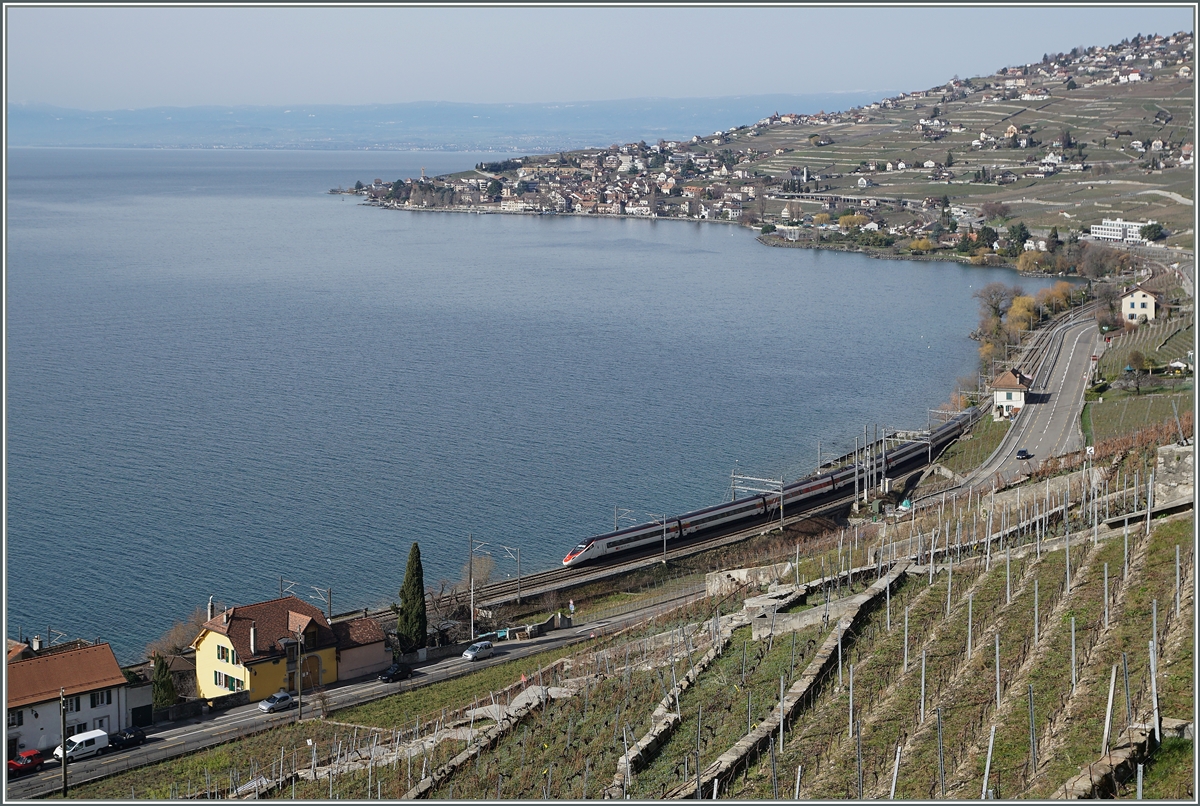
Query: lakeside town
921 173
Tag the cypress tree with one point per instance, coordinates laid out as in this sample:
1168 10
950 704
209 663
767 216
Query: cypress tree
411 624
164 693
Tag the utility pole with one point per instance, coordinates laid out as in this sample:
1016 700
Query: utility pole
509 551
62 708
300 676
472 548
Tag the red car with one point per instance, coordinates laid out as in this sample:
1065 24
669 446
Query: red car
27 761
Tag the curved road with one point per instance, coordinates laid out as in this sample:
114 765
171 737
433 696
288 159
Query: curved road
1048 425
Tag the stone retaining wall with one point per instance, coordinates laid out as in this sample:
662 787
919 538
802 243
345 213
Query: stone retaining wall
805 687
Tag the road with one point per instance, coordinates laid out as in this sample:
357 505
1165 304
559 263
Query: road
1048 425
195 734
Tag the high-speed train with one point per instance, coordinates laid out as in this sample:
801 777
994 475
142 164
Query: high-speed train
755 508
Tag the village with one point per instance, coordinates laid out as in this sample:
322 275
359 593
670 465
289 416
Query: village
785 169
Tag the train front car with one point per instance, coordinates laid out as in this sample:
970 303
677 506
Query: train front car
579 554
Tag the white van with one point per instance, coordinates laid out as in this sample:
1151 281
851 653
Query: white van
83 745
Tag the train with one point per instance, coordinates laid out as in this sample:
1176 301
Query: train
761 506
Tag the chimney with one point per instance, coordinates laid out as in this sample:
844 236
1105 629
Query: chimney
211 612
35 643
253 639
226 618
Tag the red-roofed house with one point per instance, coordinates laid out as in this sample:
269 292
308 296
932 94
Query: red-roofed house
1008 392
18 650
95 689
256 648
361 648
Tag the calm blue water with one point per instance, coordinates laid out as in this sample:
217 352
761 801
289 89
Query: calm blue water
218 374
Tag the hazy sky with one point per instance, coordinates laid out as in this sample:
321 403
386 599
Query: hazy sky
133 57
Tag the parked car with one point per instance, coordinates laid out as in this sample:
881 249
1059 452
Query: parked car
478 650
397 671
279 701
26 762
1023 454
83 745
130 737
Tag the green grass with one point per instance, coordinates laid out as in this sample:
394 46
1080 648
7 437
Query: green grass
426 703
1170 775
1174 335
555 744
188 773
967 454
718 701
1124 412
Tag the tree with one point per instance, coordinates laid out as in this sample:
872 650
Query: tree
987 237
411 625
994 300
1032 260
175 640
993 210
1018 234
1071 84
1152 232
163 686
358 185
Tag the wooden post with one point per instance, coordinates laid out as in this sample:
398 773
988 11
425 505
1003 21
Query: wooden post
1073 678
1154 690
1106 596
941 756
987 767
906 638
970 609
997 670
895 773
1112 687
922 720
1032 737
1035 611
1128 699
851 729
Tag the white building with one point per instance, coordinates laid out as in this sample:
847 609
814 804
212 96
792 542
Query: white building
1116 229
1137 302
96 693
1008 394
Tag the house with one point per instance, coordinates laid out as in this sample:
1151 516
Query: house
18 650
256 648
1008 394
88 676
1137 303
361 648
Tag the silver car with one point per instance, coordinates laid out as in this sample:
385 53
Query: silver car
279 701
478 650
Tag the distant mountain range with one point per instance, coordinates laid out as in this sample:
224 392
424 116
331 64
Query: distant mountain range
528 128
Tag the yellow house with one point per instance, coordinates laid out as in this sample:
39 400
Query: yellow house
261 648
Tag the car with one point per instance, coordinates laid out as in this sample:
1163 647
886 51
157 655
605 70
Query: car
83 745
26 762
397 671
1023 454
478 650
279 701
130 737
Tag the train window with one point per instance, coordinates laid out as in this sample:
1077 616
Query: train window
579 548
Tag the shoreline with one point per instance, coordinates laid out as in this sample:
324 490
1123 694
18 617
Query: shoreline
774 243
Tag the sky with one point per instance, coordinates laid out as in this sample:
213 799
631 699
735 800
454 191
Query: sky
103 58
